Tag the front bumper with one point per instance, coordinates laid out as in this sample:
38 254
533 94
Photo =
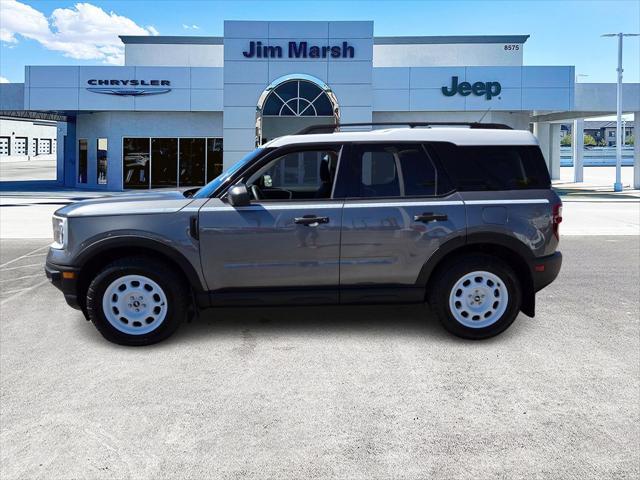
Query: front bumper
65 279
545 270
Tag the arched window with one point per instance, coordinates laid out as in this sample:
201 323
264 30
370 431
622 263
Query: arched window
298 98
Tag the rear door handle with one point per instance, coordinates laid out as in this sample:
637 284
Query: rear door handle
310 220
430 217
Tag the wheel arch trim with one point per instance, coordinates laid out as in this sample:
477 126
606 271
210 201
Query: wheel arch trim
158 247
486 240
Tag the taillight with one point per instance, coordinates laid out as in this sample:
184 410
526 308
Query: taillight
557 219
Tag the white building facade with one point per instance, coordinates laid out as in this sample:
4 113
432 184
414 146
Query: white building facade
181 109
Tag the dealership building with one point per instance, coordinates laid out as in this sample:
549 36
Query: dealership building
182 109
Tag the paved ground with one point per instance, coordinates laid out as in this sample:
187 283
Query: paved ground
34 169
359 392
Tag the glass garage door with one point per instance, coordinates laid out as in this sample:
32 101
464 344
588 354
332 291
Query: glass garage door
44 146
170 162
4 145
20 146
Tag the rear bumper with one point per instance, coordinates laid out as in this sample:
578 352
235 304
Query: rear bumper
67 284
545 270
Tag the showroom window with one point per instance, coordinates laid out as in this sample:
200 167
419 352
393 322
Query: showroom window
170 162
82 160
135 159
192 162
164 167
101 159
214 158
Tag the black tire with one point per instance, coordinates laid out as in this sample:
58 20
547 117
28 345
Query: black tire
170 281
446 279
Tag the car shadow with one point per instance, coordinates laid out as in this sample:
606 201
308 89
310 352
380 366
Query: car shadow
395 322
320 321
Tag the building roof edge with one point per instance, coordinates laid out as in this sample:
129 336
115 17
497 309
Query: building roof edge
417 40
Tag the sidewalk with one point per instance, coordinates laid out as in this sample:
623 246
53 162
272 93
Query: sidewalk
597 185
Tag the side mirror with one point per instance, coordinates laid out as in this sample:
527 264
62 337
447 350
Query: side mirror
238 195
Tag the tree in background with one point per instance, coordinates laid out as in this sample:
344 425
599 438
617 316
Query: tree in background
566 140
630 140
589 141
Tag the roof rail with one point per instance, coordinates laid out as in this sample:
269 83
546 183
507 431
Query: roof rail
327 128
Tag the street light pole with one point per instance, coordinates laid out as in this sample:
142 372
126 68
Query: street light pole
617 186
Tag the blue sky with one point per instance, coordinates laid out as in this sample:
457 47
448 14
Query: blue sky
562 32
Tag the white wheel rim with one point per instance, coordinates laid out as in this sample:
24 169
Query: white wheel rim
134 304
478 299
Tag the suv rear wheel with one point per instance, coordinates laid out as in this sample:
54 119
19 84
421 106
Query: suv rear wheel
476 296
137 301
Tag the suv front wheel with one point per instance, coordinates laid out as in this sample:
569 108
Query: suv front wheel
137 301
476 296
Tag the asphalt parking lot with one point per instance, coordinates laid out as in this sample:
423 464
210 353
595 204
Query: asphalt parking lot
344 392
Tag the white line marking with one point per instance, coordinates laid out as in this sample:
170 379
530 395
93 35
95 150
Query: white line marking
22 292
505 202
302 206
23 266
402 204
259 208
20 278
23 256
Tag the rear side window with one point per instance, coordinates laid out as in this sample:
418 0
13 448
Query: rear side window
504 167
390 170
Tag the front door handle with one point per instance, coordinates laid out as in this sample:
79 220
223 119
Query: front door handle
430 217
310 220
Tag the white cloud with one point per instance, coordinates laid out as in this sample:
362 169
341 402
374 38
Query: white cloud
4 80
190 27
84 32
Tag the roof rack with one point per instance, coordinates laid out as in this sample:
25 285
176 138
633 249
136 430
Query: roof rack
327 128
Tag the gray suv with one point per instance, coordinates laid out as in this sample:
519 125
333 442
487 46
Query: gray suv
460 217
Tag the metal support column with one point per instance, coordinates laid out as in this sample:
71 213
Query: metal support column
577 146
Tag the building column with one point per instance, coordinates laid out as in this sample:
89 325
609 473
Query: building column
69 152
577 147
636 150
541 131
554 151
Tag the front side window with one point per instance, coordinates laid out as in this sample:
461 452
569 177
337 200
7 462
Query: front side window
304 174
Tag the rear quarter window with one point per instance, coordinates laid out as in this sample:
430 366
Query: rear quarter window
503 167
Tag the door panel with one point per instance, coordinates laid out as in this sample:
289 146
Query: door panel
262 246
383 243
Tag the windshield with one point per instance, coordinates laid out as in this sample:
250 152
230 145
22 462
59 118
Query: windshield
213 185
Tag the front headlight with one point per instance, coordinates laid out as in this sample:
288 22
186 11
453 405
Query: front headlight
59 232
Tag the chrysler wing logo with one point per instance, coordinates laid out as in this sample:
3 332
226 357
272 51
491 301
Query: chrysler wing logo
129 88
130 92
